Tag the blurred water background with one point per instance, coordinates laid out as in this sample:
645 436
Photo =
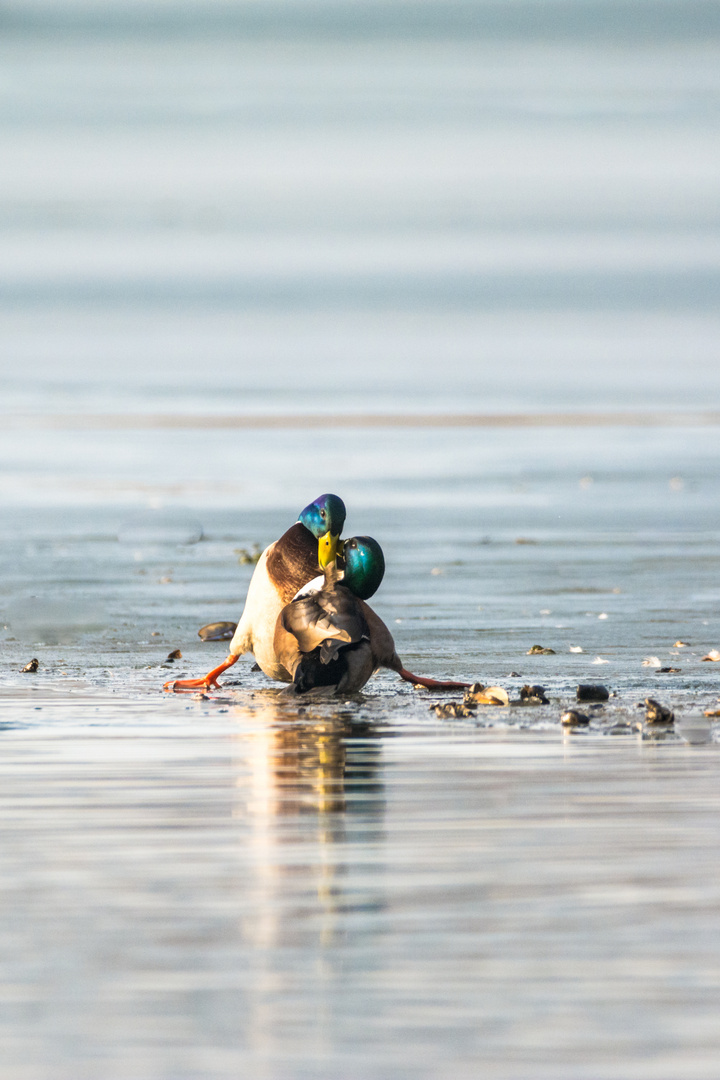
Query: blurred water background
458 262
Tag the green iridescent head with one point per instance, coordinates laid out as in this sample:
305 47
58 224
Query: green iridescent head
364 566
325 518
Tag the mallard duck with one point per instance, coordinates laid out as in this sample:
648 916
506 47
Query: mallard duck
311 544
328 636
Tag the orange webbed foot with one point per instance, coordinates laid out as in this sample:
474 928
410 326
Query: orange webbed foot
431 684
209 682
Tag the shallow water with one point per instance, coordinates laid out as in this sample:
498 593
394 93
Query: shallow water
196 887
280 212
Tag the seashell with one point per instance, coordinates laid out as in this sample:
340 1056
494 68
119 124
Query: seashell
217 631
32 665
714 654
488 695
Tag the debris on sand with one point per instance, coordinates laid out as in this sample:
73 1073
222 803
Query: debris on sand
540 650
217 631
592 692
32 666
247 556
477 694
533 695
573 718
447 710
655 713
714 654
174 655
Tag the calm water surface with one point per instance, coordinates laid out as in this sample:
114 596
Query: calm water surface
214 211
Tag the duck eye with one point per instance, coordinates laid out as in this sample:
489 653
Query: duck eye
322 513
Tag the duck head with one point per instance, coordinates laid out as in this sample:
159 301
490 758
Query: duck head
364 566
325 518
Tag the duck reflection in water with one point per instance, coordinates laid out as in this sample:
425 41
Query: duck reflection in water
313 759
308 786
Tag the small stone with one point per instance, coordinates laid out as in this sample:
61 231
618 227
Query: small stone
451 710
32 666
533 695
472 692
174 655
592 692
217 631
540 650
655 713
573 718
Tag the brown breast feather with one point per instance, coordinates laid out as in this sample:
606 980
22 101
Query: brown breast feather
292 562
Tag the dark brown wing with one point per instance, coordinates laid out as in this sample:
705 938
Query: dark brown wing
330 619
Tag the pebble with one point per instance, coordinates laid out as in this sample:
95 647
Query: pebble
217 631
473 691
573 718
533 695
655 713
32 666
592 692
451 709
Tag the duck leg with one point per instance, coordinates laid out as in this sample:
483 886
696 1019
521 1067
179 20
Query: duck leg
177 686
430 684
